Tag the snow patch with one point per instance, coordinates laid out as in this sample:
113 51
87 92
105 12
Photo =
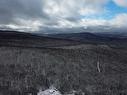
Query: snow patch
50 91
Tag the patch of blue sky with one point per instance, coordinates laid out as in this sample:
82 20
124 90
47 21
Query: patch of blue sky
114 9
110 11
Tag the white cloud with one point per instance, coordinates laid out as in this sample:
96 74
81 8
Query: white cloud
24 25
48 12
122 3
32 24
72 8
34 15
120 20
93 22
65 24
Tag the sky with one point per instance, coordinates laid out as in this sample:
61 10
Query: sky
51 16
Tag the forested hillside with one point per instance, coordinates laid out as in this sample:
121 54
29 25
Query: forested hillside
97 70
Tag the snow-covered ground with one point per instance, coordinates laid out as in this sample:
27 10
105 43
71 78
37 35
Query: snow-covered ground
50 91
54 91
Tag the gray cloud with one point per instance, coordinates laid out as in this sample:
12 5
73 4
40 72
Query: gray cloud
27 9
55 15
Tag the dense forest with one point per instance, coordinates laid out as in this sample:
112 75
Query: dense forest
92 69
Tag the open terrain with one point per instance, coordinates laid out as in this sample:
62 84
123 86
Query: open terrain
29 62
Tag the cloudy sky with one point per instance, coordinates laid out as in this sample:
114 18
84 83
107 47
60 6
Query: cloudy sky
49 16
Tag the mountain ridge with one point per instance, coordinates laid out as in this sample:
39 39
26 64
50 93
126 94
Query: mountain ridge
14 38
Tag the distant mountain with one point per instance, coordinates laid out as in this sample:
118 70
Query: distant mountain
14 38
16 35
121 34
79 36
95 38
